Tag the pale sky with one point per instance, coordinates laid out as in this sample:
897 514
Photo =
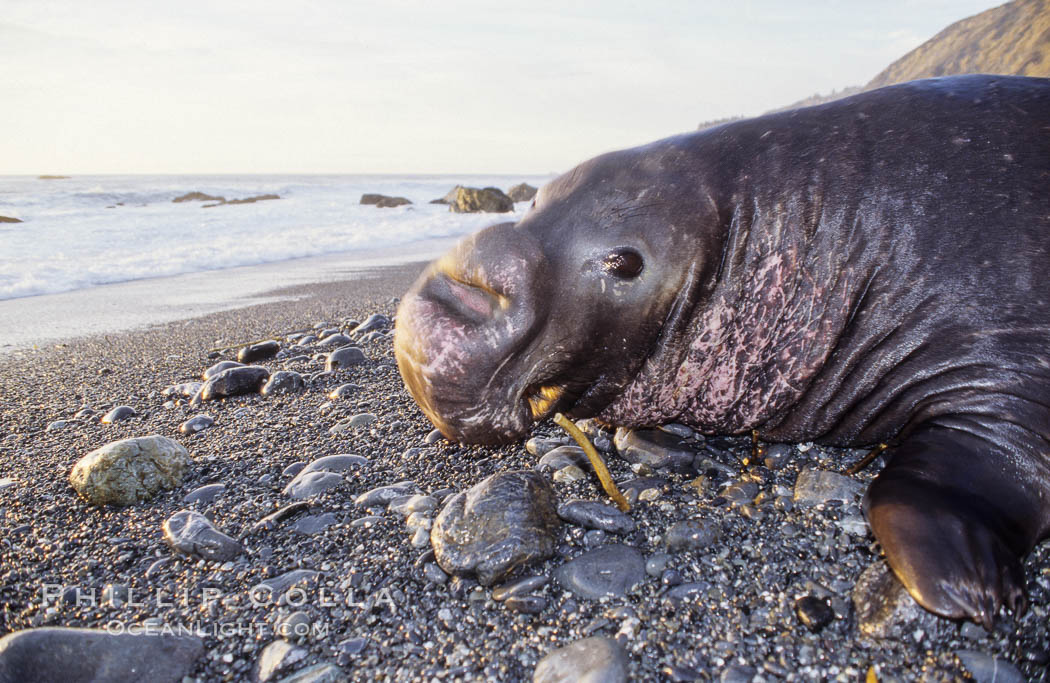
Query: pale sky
401 86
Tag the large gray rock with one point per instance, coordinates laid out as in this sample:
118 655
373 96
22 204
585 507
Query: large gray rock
314 524
381 496
591 660
194 534
333 340
130 470
487 200
80 654
506 521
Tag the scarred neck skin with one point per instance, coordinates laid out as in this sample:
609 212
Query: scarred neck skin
797 273
767 325
849 306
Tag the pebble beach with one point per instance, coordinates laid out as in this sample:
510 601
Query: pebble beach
320 530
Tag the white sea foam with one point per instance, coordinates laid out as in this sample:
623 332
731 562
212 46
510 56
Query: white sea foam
87 231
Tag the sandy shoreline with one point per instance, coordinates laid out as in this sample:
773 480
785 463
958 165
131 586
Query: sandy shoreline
393 620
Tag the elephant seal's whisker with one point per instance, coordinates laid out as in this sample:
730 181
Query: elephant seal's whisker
596 461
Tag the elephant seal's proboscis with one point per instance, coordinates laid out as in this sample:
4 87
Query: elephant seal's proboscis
876 269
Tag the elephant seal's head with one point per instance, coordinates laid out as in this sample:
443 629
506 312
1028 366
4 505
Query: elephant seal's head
559 311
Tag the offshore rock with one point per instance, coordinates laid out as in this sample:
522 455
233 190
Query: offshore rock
197 197
382 201
252 200
391 202
522 192
487 200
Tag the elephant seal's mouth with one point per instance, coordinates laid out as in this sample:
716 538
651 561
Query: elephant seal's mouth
542 400
554 396
461 330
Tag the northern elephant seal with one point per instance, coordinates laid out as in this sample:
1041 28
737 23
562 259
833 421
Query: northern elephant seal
876 269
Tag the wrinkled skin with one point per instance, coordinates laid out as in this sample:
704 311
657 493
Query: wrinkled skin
871 270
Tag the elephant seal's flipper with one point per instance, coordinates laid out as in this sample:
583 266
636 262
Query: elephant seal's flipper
954 523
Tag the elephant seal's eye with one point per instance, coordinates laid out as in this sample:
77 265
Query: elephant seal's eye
624 263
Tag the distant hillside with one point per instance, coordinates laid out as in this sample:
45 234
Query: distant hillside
1011 39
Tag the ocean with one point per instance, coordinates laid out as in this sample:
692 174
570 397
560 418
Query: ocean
82 232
